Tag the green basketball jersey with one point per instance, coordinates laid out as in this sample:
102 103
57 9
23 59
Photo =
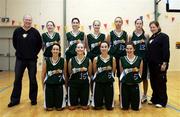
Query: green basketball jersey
140 48
54 78
78 77
103 75
117 44
130 76
94 43
72 40
46 39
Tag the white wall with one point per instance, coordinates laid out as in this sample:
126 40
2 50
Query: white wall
41 11
107 10
173 30
104 10
2 7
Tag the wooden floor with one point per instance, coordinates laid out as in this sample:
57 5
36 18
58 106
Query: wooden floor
24 109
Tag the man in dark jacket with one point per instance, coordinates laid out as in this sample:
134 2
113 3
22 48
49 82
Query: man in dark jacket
27 43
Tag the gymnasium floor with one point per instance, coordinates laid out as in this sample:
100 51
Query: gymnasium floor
24 109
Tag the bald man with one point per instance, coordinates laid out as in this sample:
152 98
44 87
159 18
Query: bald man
27 43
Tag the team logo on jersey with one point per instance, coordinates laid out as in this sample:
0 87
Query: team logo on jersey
122 47
142 47
84 75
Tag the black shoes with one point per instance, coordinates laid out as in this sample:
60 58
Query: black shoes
33 102
98 108
109 108
11 104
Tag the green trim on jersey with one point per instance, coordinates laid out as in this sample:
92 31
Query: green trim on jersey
140 48
131 77
79 77
54 78
117 44
72 43
94 43
46 38
104 76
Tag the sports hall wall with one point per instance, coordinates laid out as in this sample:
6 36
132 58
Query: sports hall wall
89 10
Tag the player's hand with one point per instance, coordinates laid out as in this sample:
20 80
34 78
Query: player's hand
78 41
109 68
135 69
142 41
163 67
58 71
83 69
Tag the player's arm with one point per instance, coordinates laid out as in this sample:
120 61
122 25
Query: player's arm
114 65
121 67
90 68
141 68
69 66
129 38
108 39
95 65
43 74
86 43
65 73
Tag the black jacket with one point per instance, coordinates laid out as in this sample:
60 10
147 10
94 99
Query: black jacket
27 43
158 48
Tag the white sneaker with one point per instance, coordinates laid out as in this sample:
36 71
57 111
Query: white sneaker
150 102
144 99
158 106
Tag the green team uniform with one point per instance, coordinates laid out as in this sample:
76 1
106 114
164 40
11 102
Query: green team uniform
54 84
94 43
141 50
118 46
78 84
72 40
130 92
46 39
103 89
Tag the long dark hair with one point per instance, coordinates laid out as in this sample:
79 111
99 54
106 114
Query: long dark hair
137 20
104 42
141 21
75 19
130 43
59 49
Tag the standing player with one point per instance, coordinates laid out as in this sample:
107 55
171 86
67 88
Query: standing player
53 81
131 70
117 40
49 38
74 37
139 38
94 39
104 67
80 70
